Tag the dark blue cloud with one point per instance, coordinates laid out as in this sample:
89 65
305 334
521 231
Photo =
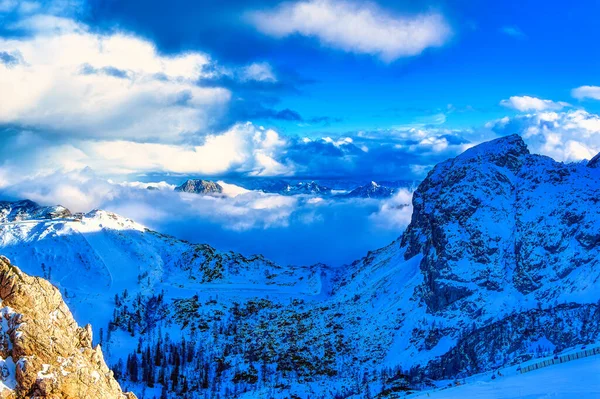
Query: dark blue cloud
10 60
373 155
87 69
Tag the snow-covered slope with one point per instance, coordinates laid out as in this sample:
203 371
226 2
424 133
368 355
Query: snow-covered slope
577 379
500 260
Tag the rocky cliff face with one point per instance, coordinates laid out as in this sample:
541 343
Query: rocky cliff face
44 353
498 218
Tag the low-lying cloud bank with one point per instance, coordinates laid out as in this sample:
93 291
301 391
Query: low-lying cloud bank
297 229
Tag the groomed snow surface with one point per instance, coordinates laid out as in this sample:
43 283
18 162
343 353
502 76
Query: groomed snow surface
579 379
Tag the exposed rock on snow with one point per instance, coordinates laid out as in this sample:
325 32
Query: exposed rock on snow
54 356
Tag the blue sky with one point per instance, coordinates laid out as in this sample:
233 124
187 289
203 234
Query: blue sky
331 88
495 50
99 95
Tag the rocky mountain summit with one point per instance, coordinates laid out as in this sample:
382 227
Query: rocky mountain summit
204 187
43 352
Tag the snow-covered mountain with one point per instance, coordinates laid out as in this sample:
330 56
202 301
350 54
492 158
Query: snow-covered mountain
311 187
371 190
500 259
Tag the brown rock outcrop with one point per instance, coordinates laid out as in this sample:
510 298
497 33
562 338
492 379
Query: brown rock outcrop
45 354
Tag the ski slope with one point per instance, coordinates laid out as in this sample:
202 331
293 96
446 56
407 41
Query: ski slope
578 379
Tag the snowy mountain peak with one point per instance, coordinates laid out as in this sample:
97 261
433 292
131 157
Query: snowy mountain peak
504 151
99 218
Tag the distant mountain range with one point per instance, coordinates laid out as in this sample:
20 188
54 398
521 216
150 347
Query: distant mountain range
290 187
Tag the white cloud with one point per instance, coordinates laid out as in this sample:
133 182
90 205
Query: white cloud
513 31
395 212
565 136
258 71
527 103
583 92
243 148
73 81
356 27
232 190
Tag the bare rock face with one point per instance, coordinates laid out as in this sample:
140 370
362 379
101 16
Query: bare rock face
44 353
204 187
499 219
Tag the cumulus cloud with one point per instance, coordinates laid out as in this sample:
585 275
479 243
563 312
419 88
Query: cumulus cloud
69 80
583 92
565 136
527 103
362 28
243 149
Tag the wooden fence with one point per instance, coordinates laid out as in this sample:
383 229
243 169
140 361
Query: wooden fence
561 359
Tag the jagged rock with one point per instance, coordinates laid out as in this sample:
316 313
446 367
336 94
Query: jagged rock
200 187
45 353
